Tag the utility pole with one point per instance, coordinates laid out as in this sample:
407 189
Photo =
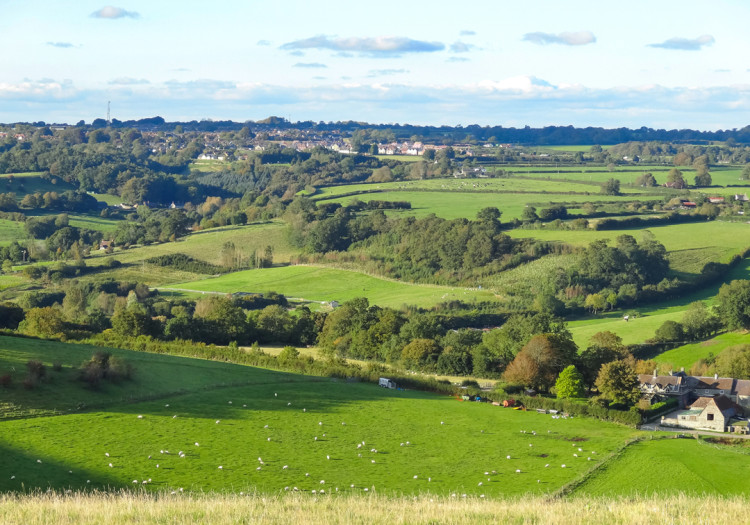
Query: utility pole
108 119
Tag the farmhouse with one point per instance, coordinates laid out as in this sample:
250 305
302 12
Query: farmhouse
707 413
687 389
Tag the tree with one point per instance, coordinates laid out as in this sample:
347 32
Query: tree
734 362
132 322
700 322
529 214
669 331
646 180
745 175
618 382
541 360
570 383
420 353
733 304
595 302
611 187
43 322
675 179
703 178
604 347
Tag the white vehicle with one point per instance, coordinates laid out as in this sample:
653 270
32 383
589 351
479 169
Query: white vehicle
387 383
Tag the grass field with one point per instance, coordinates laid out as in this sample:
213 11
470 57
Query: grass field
667 466
652 316
11 231
315 283
208 166
31 182
277 417
686 355
690 245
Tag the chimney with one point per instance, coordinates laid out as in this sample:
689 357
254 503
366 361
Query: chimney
655 374
716 376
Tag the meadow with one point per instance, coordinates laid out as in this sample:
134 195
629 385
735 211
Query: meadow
686 355
11 231
31 182
324 284
281 430
667 466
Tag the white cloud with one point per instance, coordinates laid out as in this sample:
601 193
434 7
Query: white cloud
386 72
686 44
579 38
377 46
461 47
61 45
312 65
127 81
467 32
112 12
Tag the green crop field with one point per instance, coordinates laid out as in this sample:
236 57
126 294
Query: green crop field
209 166
685 356
400 158
11 231
670 466
278 430
314 283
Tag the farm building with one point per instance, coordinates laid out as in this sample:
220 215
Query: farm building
688 389
707 413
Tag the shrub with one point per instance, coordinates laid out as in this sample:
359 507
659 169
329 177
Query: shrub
57 366
6 380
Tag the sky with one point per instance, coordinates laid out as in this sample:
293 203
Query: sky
657 63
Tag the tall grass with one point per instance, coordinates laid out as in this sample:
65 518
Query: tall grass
82 508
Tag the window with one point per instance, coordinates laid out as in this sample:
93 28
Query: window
710 417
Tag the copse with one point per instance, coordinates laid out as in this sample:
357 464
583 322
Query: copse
733 304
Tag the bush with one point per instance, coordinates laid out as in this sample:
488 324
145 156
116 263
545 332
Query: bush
57 366
6 380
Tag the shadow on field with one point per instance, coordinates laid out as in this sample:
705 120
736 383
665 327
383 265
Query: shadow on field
22 472
285 393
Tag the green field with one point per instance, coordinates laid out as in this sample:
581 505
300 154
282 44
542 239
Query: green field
32 182
276 417
670 466
690 245
685 356
208 166
11 231
319 284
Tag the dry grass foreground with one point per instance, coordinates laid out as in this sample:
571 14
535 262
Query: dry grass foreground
134 507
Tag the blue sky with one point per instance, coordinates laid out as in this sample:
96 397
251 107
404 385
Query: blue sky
662 64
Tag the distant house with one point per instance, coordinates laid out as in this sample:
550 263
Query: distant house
688 389
741 197
707 413
716 200
688 204
105 245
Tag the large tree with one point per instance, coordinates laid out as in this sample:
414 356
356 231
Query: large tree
618 382
541 360
733 304
570 383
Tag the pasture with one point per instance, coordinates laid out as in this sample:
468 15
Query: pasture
323 284
669 466
11 231
685 356
281 430
32 182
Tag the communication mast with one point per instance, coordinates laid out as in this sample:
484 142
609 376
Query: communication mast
108 120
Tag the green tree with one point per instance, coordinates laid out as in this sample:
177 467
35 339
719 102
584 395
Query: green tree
646 180
703 178
699 322
611 187
734 362
669 331
570 383
675 179
420 353
43 322
733 304
541 360
595 302
618 382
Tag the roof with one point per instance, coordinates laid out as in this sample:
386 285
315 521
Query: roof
660 381
721 383
722 402
742 387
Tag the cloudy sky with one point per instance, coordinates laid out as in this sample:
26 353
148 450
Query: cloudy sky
656 63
